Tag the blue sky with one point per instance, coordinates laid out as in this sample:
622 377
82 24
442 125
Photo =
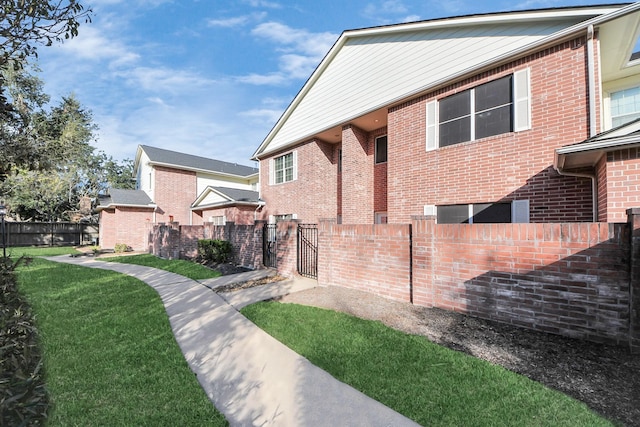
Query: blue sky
211 77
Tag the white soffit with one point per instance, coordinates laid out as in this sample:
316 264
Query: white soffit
377 67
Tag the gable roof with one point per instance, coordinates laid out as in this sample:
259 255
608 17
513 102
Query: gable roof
588 152
130 198
224 196
177 160
368 70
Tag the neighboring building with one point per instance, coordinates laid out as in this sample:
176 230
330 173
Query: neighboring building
503 117
172 186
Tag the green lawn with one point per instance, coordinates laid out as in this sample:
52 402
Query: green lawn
424 381
110 355
33 251
185 268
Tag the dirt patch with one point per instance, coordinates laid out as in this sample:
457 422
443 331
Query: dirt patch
605 377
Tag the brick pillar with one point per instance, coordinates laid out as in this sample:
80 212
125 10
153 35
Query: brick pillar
357 177
422 260
633 218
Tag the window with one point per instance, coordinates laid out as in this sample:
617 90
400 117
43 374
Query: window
283 169
494 108
339 160
484 213
283 217
381 149
625 106
217 220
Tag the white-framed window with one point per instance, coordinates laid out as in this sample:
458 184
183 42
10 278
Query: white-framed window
218 220
381 218
625 106
381 149
283 169
273 219
516 211
494 108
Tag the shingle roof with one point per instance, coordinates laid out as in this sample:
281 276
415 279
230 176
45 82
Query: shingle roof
174 158
118 197
238 195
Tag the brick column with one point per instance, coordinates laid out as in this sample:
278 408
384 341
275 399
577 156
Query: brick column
633 219
357 177
422 260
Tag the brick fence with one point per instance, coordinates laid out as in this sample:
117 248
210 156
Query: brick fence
175 241
575 279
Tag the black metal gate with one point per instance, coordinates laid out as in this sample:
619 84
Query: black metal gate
269 246
308 250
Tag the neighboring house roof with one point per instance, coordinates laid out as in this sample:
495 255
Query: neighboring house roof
224 196
129 198
369 70
174 159
588 152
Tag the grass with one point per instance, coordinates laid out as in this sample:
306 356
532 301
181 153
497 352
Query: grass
110 355
185 268
428 383
33 251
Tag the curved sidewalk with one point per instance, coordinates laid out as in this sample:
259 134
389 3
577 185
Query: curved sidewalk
253 379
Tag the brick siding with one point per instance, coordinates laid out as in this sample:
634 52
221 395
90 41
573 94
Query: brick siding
505 167
313 195
174 192
622 191
130 226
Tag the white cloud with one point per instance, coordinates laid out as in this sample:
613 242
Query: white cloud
236 21
163 79
301 51
264 115
94 46
263 3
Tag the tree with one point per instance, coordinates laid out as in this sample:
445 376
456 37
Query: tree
68 166
24 24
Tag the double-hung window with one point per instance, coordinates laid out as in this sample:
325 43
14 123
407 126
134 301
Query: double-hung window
493 108
625 106
283 169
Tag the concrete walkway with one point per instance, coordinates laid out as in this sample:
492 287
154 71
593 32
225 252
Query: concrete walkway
253 379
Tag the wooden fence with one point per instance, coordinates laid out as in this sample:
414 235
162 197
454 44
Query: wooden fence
49 234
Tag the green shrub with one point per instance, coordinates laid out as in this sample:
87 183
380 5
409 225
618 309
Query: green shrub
213 250
23 397
121 247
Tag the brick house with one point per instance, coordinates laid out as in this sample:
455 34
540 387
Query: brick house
177 187
507 117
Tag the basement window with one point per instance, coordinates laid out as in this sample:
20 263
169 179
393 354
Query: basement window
484 213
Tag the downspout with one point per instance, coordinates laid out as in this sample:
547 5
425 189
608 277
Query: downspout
591 82
591 91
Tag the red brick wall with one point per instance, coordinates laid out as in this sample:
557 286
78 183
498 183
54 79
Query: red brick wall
622 183
570 279
503 167
236 214
357 176
174 192
130 226
246 240
601 178
313 195
372 258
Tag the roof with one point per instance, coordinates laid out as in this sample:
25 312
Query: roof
588 152
369 70
224 196
174 159
118 197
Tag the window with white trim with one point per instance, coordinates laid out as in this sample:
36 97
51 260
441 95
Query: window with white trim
625 106
516 211
283 169
494 108
217 220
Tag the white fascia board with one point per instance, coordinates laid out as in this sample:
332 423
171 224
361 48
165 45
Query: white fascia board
207 171
206 192
117 205
603 14
610 144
